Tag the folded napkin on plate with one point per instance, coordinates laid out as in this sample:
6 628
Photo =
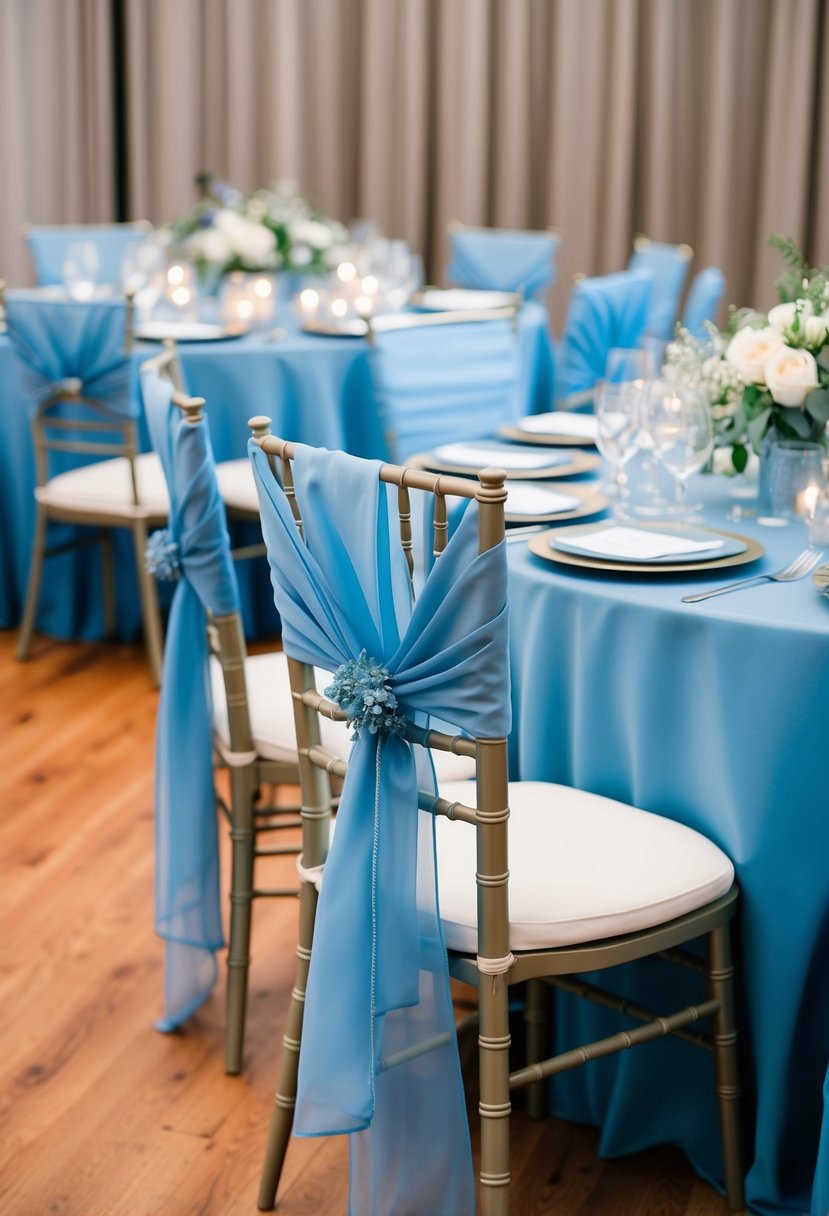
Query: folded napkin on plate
525 499
559 422
502 457
620 542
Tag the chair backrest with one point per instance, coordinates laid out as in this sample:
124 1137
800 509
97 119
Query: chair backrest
669 266
341 568
49 245
74 361
502 259
703 300
445 377
604 312
194 550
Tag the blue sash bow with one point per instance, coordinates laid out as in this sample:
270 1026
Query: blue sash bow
378 983
187 865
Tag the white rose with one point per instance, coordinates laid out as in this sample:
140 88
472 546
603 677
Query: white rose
782 315
312 233
253 243
750 348
208 245
790 375
816 330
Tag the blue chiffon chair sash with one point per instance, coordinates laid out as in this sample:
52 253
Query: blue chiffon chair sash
187 866
48 248
378 982
703 300
669 266
494 260
441 383
55 340
604 312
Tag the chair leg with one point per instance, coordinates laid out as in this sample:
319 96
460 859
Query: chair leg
242 795
282 1119
27 624
721 985
150 613
494 1106
108 579
536 1024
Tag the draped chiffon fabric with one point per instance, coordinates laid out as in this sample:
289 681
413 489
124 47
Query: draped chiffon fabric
378 982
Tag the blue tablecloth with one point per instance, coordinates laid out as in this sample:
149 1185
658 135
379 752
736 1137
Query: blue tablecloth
317 390
714 714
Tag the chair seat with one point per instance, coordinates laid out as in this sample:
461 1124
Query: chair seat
105 488
272 717
582 868
236 486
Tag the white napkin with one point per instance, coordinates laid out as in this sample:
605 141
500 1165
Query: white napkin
462 298
503 457
560 422
523 499
620 542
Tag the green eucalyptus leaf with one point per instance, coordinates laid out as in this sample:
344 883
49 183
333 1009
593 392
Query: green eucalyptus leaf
757 428
817 404
739 457
798 421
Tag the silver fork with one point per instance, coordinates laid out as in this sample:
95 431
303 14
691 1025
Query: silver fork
802 565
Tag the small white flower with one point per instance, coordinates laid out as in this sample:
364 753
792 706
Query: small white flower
252 243
749 349
782 315
311 233
816 330
208 245
790 376
301 255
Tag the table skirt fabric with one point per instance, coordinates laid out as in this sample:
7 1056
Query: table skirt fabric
715 715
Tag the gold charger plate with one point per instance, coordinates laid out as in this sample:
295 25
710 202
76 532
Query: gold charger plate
545 439
591 502
540 545
578 462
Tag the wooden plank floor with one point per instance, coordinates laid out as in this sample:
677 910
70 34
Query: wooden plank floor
99 1114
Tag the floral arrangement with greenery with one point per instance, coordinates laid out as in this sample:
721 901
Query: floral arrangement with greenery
271 229
767 370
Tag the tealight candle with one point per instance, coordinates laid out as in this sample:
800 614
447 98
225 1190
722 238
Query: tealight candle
263 299
339 307
806 501
308 304
346 271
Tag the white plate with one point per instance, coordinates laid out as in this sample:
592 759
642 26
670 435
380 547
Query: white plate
461 299
505 456
185 331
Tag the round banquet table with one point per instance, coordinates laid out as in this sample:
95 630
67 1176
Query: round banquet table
714 714
317 390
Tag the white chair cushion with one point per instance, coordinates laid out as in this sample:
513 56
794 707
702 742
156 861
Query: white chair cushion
272 716
105 487
582 868
236 486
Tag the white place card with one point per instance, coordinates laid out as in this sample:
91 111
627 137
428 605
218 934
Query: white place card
620 542
537 500
560 422
503 457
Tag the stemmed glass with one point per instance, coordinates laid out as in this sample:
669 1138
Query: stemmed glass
618 421
678 421
79 269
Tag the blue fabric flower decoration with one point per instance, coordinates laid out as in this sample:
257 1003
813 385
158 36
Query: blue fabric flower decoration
161 555
362 689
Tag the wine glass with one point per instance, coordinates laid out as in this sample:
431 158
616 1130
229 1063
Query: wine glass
678 421
79 269
142 273
627 365
618 421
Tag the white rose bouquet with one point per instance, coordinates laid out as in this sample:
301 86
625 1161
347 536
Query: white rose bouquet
271 229
768 371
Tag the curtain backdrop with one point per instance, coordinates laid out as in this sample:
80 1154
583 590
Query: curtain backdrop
705 121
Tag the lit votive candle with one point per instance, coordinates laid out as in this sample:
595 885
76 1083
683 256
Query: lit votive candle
263 299
346 271
339 307
308 304
806 501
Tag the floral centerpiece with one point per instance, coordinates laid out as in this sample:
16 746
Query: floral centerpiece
269 230
767 372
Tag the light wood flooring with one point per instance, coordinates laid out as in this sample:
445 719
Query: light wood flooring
99 1114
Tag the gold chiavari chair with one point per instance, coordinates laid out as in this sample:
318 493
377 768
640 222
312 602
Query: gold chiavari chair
538 883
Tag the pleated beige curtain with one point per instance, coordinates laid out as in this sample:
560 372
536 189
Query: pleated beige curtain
704 121
56 103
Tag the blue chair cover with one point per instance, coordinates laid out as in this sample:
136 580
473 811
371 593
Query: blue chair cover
703 299
187 864
48 247
492 259
58 339
378 982
669 266
604 312
440 383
